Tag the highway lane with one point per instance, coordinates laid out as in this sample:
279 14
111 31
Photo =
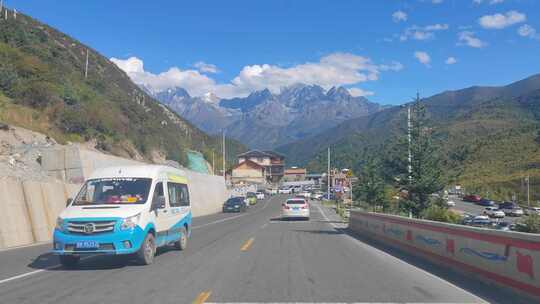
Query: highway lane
251 258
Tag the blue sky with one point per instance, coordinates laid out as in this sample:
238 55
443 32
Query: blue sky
384 49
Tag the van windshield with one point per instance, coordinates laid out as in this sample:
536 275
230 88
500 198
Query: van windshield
114 191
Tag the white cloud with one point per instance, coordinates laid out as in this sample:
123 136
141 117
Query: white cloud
491 2
468 38
399 16
528 31
500 21
422 57
422 33
360 92
337 69
206 67
451 60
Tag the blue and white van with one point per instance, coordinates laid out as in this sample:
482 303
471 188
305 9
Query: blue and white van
129 210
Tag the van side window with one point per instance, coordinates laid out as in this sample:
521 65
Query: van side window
174 194
158 191
178 195
184 195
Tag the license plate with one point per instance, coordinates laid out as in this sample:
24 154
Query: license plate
295 208
87 245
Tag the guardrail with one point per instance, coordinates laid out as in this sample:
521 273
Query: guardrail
509 259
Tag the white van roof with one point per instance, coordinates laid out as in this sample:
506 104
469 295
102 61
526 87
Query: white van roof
142 171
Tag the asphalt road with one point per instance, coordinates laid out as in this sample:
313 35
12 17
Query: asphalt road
251 257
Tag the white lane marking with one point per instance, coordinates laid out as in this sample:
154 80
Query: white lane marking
23 275
359 243
82 259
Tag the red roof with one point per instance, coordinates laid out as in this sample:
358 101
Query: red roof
249 163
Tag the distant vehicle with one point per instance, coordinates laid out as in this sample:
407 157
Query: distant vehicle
480 221
295 208
305 194
504 226
472 198
260 195
507 205
235 204
285 190
296 189
486 202
251 198
272 191
532 210
317 195
494 212
517 211
450 204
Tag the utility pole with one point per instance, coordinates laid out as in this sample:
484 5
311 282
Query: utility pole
86 68
223 153
213 164
328 186
528 191
409 126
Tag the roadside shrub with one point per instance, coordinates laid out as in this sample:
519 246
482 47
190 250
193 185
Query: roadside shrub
530 224
440 214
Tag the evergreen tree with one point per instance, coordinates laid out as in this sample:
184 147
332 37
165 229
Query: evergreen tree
371 186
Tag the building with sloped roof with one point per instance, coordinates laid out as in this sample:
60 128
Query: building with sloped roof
273 163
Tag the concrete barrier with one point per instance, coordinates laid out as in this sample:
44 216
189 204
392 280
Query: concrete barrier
37 211
15 224
508 259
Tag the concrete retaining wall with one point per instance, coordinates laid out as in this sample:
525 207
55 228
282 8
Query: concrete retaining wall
29 210
509 259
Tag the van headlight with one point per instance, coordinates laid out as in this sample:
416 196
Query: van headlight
130 222
60 224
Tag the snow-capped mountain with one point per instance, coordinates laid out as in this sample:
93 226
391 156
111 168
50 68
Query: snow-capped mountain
265 119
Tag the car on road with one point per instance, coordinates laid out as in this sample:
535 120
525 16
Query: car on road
260 195
516 211
473 198
494 212
450 203
532 210
305 194
235 204
295 208
481 221
125 211
317 195
285 190
485 202
251 198
272 191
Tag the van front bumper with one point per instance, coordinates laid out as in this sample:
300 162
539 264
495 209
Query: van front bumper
117 242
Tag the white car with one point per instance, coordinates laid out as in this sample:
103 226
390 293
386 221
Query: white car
513 211
305 194
295 208
317 195
260 195
284 191
450 204
494 212
532 210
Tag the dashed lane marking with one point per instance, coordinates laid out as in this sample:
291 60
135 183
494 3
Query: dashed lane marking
247 245
202 297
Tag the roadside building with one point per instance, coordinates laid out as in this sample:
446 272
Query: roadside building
273 163
294 174
248 172
315 177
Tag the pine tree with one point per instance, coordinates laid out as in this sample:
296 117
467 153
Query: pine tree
371 186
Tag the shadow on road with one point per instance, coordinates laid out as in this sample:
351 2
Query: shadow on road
289 219
51 262
490 293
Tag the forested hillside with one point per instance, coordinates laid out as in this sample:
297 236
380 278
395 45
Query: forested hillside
43 87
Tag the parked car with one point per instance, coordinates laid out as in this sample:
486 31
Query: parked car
473 198
272 191
235 204
517 211
450 203
508 205
504 226
305 194
317 195
481 221
494 212
285 190
532 210
260 195
486 202
296 189
251 198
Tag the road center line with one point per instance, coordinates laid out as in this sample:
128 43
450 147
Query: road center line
202 297
247 245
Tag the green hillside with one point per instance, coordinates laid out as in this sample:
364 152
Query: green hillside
43 88
488 137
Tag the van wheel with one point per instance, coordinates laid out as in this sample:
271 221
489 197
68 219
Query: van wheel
181 244
145 254
69 261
